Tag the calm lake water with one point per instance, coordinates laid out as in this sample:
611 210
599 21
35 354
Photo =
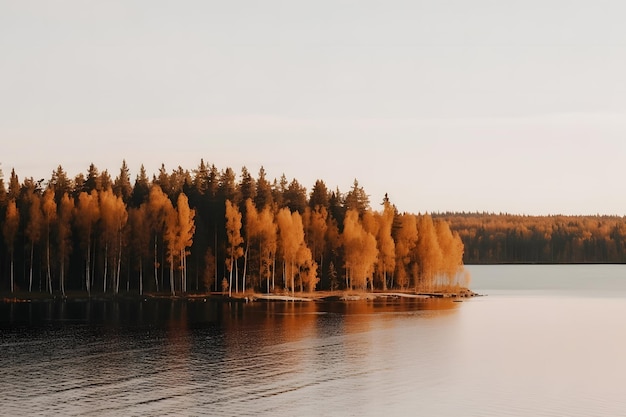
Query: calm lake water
545 341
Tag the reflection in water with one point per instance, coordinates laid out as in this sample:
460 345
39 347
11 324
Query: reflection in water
516 355
196 357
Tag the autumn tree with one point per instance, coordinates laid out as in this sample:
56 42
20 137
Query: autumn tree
384 241
9 230
428 252
49 210
405 239
185 229
297 258
113 216
316 225
360 251
87 215
64 236
267 234
452 251
159 209
233 234
33 230
138 220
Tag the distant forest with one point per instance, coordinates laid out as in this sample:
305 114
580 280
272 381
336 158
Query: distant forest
213 230
505 238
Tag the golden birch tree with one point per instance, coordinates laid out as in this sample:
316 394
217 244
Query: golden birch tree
64 236
405 240
359 250
186 229
33 231
233 233
267 245
87 215
428 253
113 216
49 210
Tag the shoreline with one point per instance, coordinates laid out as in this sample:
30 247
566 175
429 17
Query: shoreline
320 296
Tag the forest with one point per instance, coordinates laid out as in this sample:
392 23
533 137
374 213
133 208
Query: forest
504 238
209 230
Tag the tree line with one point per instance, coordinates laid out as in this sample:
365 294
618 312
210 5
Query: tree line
206 230
504 238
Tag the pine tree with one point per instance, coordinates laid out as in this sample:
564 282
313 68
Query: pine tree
121 185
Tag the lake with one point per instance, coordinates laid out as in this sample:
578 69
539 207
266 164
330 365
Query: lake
544 341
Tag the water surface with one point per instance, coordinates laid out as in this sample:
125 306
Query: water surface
546 341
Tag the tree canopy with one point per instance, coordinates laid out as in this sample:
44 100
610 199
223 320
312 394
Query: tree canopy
192 230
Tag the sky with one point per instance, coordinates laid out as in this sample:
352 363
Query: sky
446 105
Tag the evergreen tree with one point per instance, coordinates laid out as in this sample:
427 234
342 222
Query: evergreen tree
295 197
60 183
14 186
263 196
141 189
320 196
93 180
357 199
121 185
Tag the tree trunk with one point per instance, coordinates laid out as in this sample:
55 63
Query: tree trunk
12 275
183 284
293 284
49 275
119 263
62 277
237 276
245 268
106 267
140 276
172 274
216 270
30 274
156 272
230 283
87 267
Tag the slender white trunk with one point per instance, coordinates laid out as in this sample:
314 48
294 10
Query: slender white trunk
30 274
293 286
182 272
119 261
215 249
119 269
49 274
172 274
12 276
106 267
230 283
156 273
62 278
245 267
237 276
273 273
88 266
140 276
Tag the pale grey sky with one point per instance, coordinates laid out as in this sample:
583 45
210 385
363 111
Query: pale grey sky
500 106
